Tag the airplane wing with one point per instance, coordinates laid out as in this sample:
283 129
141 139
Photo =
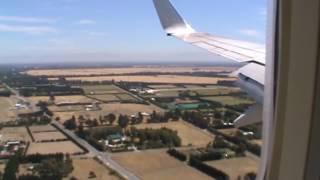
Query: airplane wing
250 77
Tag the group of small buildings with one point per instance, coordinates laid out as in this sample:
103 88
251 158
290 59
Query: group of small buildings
10 147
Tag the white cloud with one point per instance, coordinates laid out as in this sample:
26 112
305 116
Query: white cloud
250 32
26 19
86 21
27 29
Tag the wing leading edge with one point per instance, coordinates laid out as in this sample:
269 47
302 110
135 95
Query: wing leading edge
250 77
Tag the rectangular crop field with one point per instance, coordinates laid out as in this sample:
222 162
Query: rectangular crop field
6 112
126 97
73 99
157 164
54 147
82 168
162 86
101 89
169 79
42 128
14 134
105 97
35 99
48 136
216 91
236 166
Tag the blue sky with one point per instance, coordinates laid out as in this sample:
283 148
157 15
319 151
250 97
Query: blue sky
118 30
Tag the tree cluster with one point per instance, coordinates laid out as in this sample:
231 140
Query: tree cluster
156 138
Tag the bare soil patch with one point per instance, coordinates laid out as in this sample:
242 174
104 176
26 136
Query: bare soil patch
157 165
48 136
54 147
14 134
82 168
236 166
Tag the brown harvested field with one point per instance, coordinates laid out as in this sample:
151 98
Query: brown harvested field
170 79
73 99
257 141
126 97
126 70
187 132
82 168
116 108
48 136
105 97
236 166
14 134
35 99
70 108
6 112
101 89
54 147
2 167
157 165
42 128
162 86
229 132
168 93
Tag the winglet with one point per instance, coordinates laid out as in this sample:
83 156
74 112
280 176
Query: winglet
170 19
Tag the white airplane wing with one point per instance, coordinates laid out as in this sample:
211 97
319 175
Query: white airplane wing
250 76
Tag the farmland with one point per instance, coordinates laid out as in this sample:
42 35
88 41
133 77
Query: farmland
169 79
236 166
73 100
48 136
115 108
105 97
228 100
54 147
43 128
128 70
35 99
6 105
189 134
83 167
14 134
101 89
157 164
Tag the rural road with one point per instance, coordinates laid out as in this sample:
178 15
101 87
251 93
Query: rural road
102 156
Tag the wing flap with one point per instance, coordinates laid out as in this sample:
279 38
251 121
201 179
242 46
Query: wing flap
251 116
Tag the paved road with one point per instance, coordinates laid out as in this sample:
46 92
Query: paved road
102 156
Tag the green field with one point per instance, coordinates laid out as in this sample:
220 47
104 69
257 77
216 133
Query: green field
101 89
228 100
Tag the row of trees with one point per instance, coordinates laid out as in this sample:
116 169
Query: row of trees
50 167
155 138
